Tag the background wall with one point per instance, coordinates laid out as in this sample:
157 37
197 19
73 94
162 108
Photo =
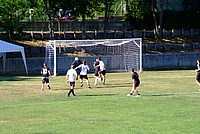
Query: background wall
150 61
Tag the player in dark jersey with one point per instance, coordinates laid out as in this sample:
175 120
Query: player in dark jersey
198 73
96 71
136 83
45 76
76 63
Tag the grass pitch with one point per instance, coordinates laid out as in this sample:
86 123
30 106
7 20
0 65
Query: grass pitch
169 104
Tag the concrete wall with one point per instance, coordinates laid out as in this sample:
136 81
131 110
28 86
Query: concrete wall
170 60
150 61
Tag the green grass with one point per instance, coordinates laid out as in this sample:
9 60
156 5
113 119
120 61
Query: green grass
170 104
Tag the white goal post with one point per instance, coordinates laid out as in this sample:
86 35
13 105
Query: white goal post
118 54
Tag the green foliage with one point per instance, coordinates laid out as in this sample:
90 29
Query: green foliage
11 13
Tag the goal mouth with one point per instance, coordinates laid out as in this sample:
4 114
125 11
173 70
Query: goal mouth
118 54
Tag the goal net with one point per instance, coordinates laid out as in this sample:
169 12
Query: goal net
117 54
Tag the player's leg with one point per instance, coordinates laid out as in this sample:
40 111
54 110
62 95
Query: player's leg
104 77
48 83
72 85
87 81
198 79
81 80
43 82
96 77
134 89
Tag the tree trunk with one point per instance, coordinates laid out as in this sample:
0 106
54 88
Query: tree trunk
83 20
49 20
106 18
161 21
154 10
83 27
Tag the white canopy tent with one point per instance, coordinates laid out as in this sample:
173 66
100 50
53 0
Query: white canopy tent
6 47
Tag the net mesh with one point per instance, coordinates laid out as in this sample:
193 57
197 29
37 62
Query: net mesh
118 54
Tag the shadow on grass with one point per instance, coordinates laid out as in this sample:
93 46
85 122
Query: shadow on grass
14 78
114 85
98 95
159 95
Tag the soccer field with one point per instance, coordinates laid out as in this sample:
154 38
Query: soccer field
169 104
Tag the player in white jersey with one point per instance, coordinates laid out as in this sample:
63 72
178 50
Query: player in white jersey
102 72
71 77
83 74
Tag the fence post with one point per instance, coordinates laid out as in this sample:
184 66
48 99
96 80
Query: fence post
191 32
42 34
172 32
144 34
64 34
182 32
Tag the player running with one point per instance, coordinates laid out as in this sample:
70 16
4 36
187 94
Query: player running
71 77
136 83
45 76
83 74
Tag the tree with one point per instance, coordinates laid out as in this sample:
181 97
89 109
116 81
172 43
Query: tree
11 13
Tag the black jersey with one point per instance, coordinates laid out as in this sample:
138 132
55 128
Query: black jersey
45 72
76 63
135 76
96 64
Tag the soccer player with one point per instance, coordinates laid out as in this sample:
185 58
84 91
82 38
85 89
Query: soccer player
198 73
45 76
76 63
83 74
96 71
71 77
102 71
136 83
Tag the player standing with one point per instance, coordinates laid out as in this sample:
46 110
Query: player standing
136 83
96 71
102 71
198 73
45 76
71 77
83 74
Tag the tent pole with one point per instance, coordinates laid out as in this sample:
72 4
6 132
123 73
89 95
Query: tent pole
4 62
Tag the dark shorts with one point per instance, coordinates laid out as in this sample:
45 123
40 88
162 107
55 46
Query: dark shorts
96 72
72 83
45 80
136 84
84 77
102 72
198 76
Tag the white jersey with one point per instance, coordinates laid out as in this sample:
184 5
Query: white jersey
84 69
101 65
71 73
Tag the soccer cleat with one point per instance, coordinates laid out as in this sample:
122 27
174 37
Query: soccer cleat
81 85
49 87
129 95
42 89
138 95
89 87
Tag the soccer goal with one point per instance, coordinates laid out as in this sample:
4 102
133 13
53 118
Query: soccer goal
118 54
